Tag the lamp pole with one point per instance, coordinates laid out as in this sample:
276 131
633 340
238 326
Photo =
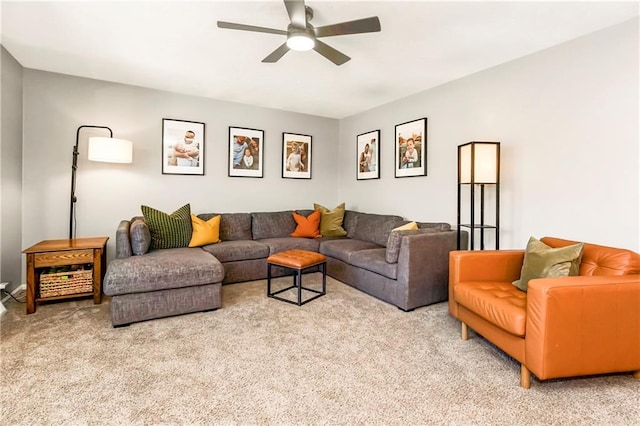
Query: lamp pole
74 168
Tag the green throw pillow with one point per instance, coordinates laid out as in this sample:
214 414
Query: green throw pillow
331 221
168 230
542 261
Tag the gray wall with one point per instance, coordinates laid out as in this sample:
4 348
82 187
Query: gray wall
10 171
567 119
56 105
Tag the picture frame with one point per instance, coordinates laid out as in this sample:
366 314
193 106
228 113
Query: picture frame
246 148
296 156
411 160
182 147
368 155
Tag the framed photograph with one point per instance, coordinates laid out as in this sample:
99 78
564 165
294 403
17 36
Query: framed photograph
368 155
245 152
411 148
296 156
182 147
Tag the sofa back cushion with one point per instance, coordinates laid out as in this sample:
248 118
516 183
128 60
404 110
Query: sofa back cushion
139 235
349 222
233 226
376 227
601 260
272 224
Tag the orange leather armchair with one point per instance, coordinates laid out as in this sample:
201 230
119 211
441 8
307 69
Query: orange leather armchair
562 327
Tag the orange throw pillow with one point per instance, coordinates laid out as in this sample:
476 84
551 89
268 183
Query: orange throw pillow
307 226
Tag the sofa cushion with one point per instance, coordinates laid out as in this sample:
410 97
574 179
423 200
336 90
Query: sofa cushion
374 260
343 249
331 220
395 239
350 221
230 251
204 231
272 224
542 261
161 270
498 302
233 226
376 227
140 236
276 245
308 226
168 230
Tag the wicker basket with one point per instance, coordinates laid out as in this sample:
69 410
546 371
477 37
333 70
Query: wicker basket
64 283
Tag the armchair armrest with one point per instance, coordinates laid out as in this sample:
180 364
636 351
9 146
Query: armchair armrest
583 325
482 266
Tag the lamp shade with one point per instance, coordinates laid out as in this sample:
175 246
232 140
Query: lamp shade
479 162
110 150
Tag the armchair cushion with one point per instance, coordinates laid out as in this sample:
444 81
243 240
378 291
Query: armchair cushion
499 303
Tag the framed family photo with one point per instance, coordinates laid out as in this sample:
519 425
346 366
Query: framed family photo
296 156
182 147
411 148
368 155
245 152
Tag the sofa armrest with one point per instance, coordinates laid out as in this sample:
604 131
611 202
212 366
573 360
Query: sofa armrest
482 266
423 268
123 240
583 325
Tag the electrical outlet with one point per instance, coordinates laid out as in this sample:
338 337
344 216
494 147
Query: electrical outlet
3 286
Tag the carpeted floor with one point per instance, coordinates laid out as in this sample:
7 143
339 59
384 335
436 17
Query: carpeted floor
345 358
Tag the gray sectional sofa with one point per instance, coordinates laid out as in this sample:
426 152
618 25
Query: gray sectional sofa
408 269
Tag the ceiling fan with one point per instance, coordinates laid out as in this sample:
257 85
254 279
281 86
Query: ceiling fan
301 35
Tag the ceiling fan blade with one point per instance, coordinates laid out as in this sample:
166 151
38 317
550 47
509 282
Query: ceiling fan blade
366 25
277 54
330 53
232 26
297 12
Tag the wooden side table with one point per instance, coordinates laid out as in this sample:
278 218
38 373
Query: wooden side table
75 251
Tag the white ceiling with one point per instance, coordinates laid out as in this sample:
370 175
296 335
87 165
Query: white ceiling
176 46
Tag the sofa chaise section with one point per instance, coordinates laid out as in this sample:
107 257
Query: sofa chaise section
163 283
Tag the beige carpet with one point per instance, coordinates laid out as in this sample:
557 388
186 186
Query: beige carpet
345 358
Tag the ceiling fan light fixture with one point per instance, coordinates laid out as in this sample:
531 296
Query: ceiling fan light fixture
300 41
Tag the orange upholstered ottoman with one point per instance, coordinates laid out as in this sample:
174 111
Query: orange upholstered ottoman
298 261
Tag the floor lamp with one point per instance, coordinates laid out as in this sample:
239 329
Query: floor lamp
479 166
109 150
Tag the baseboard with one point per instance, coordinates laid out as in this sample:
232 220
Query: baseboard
20 289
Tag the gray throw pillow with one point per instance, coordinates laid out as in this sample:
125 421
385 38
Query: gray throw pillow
140 236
